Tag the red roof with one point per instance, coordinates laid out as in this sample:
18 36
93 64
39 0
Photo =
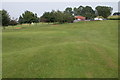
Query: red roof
80 17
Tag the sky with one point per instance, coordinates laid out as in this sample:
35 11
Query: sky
16 8
60 0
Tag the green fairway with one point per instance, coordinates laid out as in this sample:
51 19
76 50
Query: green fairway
72 50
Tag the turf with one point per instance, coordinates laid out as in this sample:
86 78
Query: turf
71 50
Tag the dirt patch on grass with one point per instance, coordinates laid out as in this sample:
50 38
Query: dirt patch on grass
18 28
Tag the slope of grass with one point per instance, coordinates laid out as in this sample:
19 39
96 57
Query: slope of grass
77 50
114 17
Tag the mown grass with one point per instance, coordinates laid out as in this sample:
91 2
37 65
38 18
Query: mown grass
75 50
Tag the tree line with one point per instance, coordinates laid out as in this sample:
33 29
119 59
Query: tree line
89 13
56 16
69 13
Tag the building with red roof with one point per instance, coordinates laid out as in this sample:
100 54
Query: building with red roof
80 18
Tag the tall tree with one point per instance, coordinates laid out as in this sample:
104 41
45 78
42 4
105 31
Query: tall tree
63 17
28 17
69 10
45 17
75 11
104 11
88 12
5 18
36 19
20 20
80 8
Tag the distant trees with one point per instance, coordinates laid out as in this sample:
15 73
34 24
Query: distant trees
28 17
87 11
103 11
67 15
57 16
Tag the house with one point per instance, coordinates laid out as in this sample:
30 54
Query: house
79 18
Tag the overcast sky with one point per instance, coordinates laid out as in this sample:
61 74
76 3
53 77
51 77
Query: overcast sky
60 0
16 8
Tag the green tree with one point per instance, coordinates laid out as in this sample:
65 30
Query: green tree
20 20
77 11
36 19
63 17
80 8
68 10
5 18
28 17
103 11
88 12
52 16
45 17
59 16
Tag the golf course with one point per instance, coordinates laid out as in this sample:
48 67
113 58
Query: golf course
85 49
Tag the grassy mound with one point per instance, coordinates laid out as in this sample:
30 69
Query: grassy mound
115 17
